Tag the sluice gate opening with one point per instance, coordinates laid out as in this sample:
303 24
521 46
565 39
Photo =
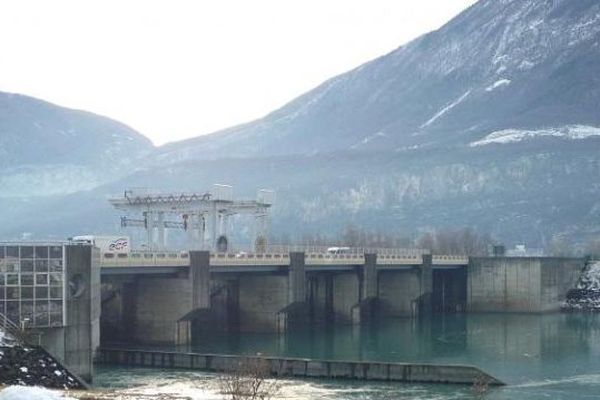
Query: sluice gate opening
449 294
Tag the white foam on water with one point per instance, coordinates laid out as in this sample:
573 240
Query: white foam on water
588 379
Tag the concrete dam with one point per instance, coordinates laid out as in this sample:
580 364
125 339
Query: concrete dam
170 300
77 293
166 296
72 296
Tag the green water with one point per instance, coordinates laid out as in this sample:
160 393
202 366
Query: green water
554 356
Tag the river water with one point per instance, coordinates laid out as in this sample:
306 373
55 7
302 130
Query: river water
553 356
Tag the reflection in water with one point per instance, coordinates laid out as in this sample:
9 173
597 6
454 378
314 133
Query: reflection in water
540 356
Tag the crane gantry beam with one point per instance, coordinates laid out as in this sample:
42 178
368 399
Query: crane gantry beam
194 213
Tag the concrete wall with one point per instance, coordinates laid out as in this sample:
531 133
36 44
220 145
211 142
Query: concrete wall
224 302
346 294
119 299
332 296
75 344
83 311
261 297
398 290
515 284
302 368
449 290
319 297
559 275
160 303
53 340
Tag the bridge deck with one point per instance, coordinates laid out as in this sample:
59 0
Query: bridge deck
154 261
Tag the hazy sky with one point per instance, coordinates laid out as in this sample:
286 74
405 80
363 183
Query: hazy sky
174 69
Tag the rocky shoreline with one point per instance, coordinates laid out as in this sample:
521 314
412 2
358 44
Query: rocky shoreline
586 295
33 366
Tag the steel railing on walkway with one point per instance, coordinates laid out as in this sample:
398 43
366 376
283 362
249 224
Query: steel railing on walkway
279 255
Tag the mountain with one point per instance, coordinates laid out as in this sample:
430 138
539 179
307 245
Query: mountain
492 121
511 69
47 150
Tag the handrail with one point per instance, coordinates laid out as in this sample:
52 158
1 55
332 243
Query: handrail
182 258
10 327
18 334
279 249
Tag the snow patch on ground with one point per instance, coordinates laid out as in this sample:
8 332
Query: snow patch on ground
526 65
590 279
446 109
497 84
316 97
368 139
30 393
573 132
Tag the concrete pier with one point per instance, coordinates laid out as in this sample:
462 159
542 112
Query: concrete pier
200 279
297 278
302 368
294 312
400 292
366 309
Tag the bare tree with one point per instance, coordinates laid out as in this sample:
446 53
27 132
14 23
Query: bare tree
426 241
559 247
357 237
250 380
481 387
592 247
465 241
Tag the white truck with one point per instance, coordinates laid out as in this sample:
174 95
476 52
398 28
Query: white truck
106 244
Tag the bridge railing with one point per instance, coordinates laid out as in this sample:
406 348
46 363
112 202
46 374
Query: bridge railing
278 256
440 259
283 258
243 258
19 334
145 259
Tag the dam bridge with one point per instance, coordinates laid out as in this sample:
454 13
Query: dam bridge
175 297
165 296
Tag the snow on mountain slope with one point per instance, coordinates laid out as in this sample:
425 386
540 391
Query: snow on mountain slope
501 64
573 132
488 122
